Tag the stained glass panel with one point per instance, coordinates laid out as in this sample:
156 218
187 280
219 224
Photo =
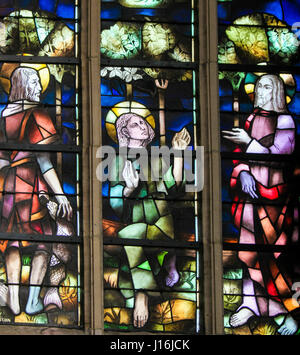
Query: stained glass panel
40 155
57 93
129 40
41 28
171 309
259 120
66 9
268 311
176 11
58 297
150 218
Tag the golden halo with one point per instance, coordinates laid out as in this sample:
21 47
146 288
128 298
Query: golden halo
122 108
8 68
288 79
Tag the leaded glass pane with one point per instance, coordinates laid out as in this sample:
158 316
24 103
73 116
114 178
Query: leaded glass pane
57 92
171 309
60 292
259 121
40 154
150 217
176 11
41 28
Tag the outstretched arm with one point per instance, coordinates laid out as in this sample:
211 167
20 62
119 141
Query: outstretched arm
284 139
180 141
238 136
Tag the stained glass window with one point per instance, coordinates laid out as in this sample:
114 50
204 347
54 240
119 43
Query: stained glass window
259 117
43 28
152 258
40 154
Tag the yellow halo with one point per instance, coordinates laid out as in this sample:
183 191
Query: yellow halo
122 108
8 68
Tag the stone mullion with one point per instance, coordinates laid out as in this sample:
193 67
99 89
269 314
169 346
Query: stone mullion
212 292
92 201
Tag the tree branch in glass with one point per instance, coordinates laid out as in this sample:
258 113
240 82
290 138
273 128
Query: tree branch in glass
255 39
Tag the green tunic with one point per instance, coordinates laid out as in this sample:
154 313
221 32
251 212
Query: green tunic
147 215
146 212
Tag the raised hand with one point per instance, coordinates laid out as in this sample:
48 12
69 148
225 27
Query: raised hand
161 83
248 184
181 140
130 177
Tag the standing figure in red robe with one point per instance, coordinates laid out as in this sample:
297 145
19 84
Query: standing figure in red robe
261 209
25 177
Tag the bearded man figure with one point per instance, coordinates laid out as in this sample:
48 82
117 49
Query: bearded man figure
25 178
261 209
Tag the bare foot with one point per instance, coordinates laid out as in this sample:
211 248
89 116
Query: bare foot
140 313
9 296
241 317
34 303
289 327
172 278
13 299
170 267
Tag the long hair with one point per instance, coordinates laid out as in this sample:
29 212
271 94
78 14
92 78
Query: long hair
278 99
19 84
122 122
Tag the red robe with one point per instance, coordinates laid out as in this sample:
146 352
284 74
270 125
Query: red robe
261 221
22 181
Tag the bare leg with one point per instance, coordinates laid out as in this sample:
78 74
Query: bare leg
52 299
57 273
248 308
13 269
38 271
141 312
241 317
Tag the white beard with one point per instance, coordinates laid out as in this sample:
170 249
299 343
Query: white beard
32 96
263 101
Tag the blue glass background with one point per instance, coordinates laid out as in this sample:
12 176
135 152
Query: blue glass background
178 104
285 10
179 12
60 8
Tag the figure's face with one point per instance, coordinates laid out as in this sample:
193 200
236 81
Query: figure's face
264 93
137 128
34 88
